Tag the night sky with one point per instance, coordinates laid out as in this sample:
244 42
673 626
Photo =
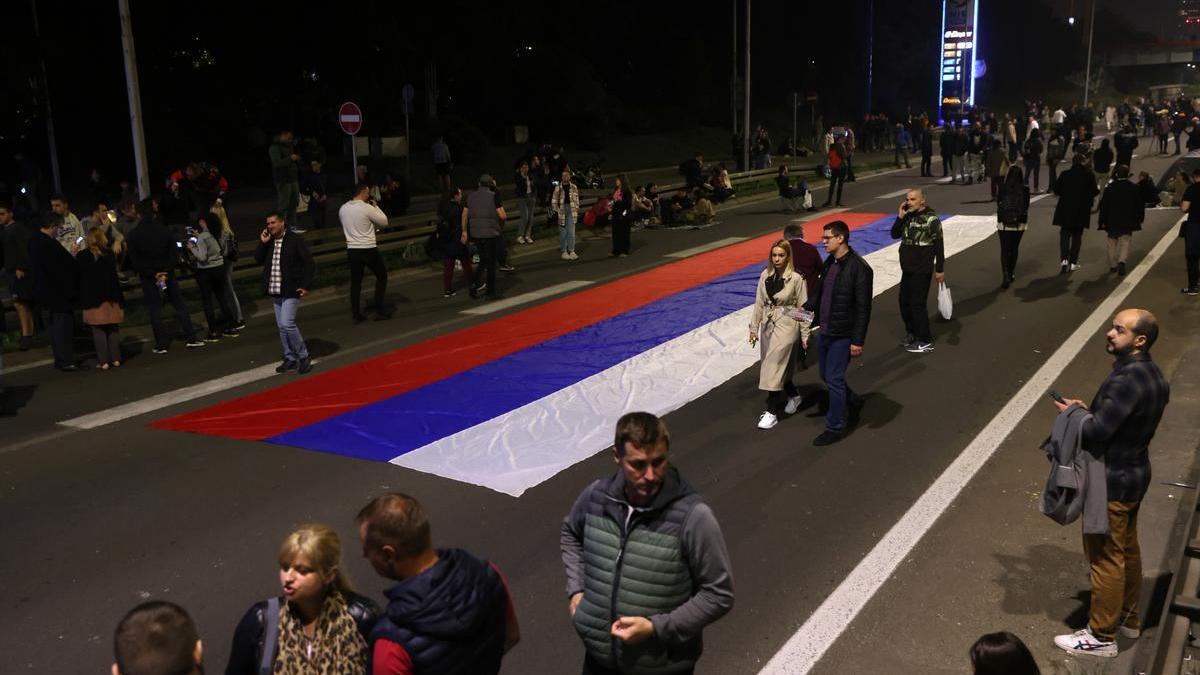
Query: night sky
219 77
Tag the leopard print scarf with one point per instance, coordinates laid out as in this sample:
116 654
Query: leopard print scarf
337 648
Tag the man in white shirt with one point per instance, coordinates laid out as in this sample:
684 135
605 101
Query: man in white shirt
1060 116
360 216
72 229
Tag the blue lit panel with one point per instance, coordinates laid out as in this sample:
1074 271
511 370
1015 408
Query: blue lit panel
956 77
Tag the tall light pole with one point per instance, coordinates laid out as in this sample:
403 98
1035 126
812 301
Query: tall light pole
733 75
54 172
746 103
1087 72
135 101
870 51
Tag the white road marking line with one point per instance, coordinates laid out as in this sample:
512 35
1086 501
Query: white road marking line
529 445
806 647
704 248
1038 198
499 305
891 195
146 405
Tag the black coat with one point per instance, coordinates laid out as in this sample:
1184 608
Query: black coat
251 632
152 248
1121 208
98 281
295 265
852 290
54 276
1076 190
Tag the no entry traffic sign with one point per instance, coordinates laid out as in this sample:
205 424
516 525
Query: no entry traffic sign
350 118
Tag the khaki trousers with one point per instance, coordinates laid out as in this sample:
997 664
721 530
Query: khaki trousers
1116 572
1118 249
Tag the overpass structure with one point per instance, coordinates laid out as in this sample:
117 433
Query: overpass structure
1155 54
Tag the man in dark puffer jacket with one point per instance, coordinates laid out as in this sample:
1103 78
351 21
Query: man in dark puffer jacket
449 612
842 308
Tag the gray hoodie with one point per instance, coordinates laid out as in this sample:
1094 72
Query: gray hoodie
1077 481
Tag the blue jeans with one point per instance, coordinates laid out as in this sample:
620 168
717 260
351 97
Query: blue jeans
566 230
528 204
833 355
294 348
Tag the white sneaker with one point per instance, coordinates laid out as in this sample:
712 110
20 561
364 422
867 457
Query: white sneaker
574 255
1131 632
1083 642
529 239
767 421
1075 267
566 256
520 240
793 405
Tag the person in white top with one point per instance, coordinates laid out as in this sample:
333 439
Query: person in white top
1060 116
360 216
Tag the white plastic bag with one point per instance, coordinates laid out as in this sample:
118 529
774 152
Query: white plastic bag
945 302
807 199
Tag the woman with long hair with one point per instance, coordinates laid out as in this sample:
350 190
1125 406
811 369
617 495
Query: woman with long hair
1012 217
101 298
210 277
622 216
318 626
779 320
229 252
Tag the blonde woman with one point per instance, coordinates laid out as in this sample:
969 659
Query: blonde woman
779 321
100 297
318 627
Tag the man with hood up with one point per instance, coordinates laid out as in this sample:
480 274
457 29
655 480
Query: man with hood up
449 611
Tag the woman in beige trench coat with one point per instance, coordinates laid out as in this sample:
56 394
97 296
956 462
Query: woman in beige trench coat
779 321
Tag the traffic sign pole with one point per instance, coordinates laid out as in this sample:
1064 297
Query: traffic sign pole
350 119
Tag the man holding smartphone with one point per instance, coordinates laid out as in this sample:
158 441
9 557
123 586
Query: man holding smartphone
922 256
287 275
1124 416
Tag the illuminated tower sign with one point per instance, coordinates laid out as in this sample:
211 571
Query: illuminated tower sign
956 81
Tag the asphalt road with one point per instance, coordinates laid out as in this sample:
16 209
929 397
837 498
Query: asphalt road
96 521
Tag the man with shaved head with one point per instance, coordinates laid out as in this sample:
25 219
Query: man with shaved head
922 259
1124 415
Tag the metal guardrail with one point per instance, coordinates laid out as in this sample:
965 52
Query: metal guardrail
399 232
1175 644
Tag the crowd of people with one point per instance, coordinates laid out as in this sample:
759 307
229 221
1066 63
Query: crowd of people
66 265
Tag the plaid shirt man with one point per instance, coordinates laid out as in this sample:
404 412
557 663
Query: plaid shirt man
275 283
1125 414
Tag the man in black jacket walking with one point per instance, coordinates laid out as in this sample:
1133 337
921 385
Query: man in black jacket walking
1124 416
287 275
842 308
55 287
1122 211
153 251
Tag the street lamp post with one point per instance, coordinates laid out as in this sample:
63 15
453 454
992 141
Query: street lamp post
37 33
1087 72
746 103
135 101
